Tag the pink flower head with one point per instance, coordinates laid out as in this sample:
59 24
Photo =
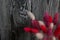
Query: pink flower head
35 24
50 33
47 27
47 19
56 17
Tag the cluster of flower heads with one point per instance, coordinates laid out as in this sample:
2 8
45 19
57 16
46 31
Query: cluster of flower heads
47 29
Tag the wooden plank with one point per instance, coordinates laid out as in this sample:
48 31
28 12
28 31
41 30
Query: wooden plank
5 28
38 8
53 6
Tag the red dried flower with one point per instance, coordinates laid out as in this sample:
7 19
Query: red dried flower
27 29
56 17
47 19
49 22
34 30
57 31
43 28
50 19
35 24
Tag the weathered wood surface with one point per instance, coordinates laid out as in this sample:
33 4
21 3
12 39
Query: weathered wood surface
16 8
5 25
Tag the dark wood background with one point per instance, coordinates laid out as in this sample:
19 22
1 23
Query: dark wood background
11 12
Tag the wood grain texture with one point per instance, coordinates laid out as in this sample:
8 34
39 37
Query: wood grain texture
5 25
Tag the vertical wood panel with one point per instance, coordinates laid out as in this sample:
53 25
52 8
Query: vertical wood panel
53 6
38 8
28 35
5 28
